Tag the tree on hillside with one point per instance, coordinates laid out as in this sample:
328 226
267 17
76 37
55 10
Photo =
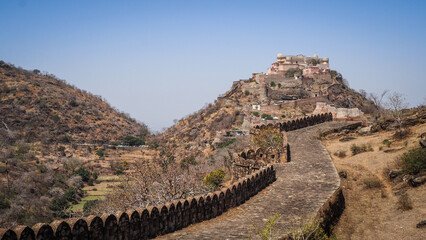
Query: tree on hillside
396 103
377 99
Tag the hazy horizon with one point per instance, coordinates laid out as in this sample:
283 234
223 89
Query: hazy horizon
162 60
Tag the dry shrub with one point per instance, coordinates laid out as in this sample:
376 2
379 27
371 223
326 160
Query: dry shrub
403 134
340 154
355 149
372 183
404 202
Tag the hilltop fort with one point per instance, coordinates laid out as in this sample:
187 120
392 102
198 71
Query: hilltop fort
309 65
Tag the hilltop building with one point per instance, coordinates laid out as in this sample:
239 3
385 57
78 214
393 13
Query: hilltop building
309 65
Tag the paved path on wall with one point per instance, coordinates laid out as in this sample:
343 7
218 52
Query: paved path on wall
302 187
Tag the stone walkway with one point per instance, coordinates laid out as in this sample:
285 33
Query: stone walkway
302 187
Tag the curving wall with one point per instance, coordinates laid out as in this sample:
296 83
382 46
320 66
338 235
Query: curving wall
248 161
152 221
298 123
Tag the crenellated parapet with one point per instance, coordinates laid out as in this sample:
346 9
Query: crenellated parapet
250 160
297 123
152 221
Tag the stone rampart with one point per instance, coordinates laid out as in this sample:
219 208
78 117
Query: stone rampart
298 123
250 160
152 221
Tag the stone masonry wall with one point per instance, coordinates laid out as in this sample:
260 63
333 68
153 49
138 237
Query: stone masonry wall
150 222
250 160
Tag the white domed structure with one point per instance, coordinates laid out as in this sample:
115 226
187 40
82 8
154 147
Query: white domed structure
279 55
315 55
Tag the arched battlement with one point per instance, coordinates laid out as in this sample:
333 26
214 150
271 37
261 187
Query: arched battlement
148 222
24 232
200 209
79 228
43 231
144 216
96 227
178 214
215 205
153 220
193 206
134 224
61 229
164 218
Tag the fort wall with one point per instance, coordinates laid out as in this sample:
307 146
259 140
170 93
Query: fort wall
166 218
152 221
250 160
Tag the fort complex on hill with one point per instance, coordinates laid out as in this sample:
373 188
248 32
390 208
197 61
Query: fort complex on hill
309 65
295 86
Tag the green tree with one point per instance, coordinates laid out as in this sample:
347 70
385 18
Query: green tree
70 195
119 170
214 178
130 140
83 173
414 161
59 206
89 205
100 152
266 116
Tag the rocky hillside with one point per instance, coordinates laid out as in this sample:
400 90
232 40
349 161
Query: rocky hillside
52 138
282 97
41 107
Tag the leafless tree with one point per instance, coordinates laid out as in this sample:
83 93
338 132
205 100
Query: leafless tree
396 103
150 184
377 99
363 93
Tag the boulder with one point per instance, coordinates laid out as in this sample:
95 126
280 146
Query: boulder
346 139
421 224
417 181
394 173
423 143
365 130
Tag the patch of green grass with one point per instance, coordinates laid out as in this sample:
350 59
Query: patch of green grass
108 178
97 192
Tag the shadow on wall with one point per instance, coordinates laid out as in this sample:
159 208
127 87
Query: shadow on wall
150 222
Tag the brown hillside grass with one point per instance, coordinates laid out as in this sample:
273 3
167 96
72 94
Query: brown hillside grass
374 207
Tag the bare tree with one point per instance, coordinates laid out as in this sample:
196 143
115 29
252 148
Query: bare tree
363 93
378 100
396 103
151 184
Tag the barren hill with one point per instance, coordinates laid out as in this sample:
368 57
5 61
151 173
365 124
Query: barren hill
40 107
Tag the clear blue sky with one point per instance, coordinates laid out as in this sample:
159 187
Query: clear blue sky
161 60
